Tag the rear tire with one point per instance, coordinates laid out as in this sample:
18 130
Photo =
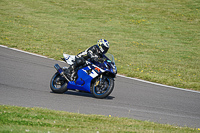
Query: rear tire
104 90
58 84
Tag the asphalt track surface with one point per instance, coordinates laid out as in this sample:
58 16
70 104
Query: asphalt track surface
25 79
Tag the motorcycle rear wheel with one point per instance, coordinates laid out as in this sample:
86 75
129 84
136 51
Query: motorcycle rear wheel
58 84
105 89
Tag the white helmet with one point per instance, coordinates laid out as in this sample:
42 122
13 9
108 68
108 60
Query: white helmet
103 45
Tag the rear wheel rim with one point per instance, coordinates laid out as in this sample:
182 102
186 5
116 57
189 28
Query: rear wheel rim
57 83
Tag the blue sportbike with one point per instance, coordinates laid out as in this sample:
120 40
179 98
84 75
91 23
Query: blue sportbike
95 77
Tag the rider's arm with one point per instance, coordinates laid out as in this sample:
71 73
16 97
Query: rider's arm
92 53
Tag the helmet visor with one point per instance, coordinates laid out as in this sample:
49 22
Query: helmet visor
105 49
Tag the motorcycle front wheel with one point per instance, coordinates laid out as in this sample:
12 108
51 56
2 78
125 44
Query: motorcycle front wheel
58 84
104 89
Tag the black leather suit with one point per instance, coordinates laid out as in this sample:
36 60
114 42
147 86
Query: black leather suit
93 53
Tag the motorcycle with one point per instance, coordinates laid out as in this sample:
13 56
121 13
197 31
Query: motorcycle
95 77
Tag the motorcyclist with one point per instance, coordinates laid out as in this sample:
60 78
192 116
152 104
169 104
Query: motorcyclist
94 53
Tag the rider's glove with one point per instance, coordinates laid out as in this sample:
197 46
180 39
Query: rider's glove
100 59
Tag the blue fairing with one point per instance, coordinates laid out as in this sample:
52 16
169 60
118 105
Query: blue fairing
86 74
83 82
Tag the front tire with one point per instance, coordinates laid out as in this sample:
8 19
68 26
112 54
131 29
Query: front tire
105 89
58 84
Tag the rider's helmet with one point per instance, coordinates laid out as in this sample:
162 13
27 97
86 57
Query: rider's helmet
103 45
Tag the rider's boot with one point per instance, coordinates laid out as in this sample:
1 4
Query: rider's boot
72 71
69 72
72 75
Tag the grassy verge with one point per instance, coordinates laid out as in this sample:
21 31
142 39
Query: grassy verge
151 39
22 119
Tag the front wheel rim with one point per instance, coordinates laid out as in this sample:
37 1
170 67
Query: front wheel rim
100 90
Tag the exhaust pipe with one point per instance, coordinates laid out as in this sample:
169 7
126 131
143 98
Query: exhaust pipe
59 69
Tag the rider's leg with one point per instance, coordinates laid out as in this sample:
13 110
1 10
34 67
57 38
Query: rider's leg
78 62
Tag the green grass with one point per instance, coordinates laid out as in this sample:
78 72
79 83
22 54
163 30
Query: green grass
154 40
23 119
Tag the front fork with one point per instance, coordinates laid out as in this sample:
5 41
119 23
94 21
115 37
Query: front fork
98 83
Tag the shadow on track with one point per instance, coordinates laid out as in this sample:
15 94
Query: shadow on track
83 94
